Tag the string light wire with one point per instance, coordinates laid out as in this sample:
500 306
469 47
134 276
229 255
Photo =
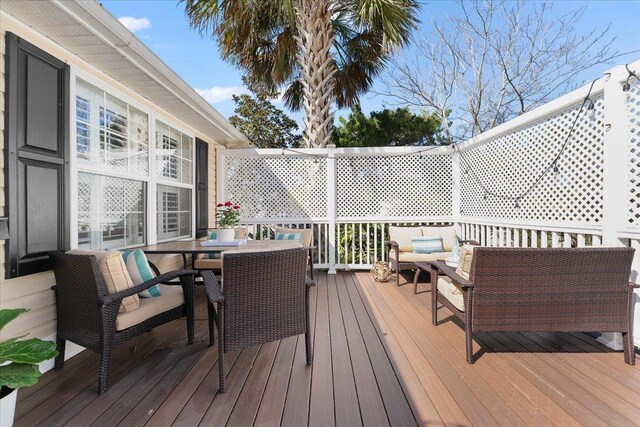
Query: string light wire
587 102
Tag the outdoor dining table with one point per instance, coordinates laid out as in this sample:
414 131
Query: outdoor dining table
194 247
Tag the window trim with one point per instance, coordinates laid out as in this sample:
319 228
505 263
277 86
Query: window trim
151 180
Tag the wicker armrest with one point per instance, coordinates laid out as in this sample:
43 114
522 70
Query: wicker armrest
444 269
212 286
310 283
392 244
470 242
163 278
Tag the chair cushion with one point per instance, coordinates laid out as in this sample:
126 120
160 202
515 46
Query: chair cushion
413 257
117 279
451 291
304 235
207 264
464 264
426 244
140 272
171 297
448 234
402 236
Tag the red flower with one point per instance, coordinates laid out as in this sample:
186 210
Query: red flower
227 204
220 205
236 207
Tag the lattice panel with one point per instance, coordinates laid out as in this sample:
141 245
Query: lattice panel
633 119
416 186
277 187
511 163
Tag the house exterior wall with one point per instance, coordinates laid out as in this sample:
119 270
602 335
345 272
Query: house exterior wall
34 291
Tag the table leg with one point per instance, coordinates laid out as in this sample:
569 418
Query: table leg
415 280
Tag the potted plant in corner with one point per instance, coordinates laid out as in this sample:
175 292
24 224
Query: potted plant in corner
227 216
19 361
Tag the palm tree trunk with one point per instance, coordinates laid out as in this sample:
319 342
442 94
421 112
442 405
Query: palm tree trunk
315 39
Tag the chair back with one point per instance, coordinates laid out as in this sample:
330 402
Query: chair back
79 285
549 289
265 296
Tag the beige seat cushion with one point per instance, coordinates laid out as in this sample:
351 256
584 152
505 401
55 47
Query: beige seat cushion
451 291
116 275
402 236
448 233
170 297
413 257
464 265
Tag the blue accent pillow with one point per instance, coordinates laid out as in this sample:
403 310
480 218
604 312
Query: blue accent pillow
427 244
140 272
215 255
288 236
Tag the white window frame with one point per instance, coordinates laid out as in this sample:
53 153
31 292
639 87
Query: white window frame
151 180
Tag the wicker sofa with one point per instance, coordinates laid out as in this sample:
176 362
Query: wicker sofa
538 290
400 249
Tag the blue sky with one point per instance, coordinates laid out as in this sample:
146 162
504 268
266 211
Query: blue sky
163 27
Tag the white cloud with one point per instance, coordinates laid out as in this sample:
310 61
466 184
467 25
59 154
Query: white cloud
220 93
135 24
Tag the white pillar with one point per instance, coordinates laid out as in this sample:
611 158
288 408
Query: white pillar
615 180
331 205
456 188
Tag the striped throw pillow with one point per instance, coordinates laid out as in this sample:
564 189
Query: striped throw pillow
140 272
426 244
289 236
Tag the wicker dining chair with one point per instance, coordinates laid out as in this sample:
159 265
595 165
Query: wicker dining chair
87 314
265 297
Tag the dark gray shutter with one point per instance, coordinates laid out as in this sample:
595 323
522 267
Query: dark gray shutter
36 156
202 188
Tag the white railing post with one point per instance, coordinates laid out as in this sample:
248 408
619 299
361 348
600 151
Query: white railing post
220 173
615 181
456 188
331 205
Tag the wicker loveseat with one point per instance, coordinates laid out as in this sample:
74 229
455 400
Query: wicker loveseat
401 255
538 290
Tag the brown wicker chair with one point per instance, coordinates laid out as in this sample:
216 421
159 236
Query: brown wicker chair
542 290
87 312
265 298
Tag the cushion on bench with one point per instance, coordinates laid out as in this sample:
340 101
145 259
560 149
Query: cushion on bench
448 234
170 297
402 236
413 257
451 291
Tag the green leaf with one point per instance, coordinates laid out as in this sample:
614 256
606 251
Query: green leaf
8 314
31 351
16 375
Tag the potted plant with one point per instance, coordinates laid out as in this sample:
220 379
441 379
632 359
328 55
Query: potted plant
228 216
19 361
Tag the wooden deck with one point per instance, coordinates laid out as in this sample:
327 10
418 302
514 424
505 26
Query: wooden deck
378 361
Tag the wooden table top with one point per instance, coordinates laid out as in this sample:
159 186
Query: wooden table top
194 246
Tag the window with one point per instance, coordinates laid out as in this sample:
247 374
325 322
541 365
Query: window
110 134
175 154
114 182
111 212
174 212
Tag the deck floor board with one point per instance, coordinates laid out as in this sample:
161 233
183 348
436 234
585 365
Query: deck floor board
378 360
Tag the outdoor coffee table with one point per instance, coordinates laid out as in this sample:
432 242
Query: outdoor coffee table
420 267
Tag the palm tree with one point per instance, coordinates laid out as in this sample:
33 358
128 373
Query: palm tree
318 51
